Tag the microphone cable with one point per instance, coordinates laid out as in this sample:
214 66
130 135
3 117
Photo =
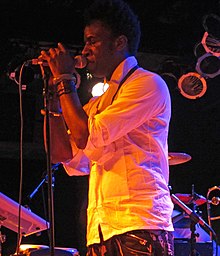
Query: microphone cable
19 236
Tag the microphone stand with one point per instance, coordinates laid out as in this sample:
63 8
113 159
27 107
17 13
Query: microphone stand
2 239
45 179
48 158
194 235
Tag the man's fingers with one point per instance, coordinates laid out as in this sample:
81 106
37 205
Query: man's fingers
62 48
44 55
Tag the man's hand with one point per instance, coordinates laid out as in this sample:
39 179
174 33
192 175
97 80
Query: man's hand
59 60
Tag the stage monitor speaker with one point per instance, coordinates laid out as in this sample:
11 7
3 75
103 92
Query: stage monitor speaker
183 248
44 250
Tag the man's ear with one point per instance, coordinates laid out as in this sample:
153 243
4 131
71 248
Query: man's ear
121 42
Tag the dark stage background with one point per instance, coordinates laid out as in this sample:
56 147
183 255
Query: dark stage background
170 31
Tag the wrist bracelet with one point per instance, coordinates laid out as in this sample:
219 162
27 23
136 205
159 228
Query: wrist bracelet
51 113
62 77
66 87
55 114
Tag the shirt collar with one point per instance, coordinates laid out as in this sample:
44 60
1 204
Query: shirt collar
122 69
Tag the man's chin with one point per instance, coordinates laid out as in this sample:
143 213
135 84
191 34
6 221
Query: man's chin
93 71
97 75
91 68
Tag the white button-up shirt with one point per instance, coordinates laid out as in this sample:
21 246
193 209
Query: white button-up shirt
127 155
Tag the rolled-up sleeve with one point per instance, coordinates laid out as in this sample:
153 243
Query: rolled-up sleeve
79 165
142 98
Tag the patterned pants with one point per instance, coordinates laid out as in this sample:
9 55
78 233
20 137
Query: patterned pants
136 243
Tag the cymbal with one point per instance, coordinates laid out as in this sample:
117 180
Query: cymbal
178 158
190 199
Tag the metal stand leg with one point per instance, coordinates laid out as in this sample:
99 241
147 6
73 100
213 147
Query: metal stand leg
2 240
193 251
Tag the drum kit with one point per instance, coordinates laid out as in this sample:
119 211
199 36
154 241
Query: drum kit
31 223
188 224
184 200
178 158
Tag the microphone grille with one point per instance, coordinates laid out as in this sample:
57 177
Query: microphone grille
81 61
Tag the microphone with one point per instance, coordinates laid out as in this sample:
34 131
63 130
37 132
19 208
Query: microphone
80 61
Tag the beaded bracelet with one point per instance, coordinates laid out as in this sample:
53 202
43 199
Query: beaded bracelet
60 78
66 87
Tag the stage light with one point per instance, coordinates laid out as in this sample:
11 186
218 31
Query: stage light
192 85
211 44
208 65
99 88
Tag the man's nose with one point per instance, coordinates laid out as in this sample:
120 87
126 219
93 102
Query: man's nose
86 50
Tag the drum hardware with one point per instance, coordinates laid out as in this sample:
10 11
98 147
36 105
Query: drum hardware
178 216
178 158
213 201
194 219
192 199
